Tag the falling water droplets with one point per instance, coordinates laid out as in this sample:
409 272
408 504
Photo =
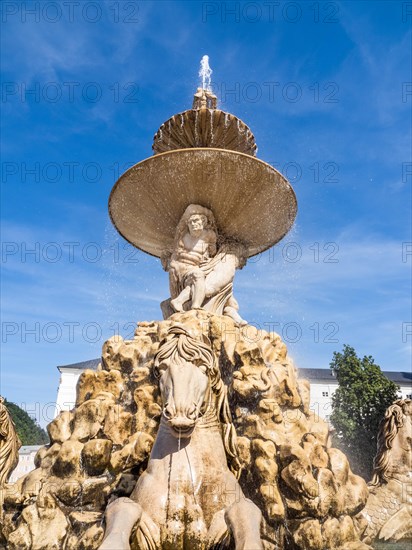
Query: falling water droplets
240 127
178 451
169 132
197 128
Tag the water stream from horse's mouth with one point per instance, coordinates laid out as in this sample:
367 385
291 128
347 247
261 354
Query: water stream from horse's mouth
177 479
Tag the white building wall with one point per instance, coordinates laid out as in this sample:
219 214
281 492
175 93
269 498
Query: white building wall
405 392
66 394
321 398
321 392
26 462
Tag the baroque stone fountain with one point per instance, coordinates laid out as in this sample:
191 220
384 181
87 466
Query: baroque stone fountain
197 433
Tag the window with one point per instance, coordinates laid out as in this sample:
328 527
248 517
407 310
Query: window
325 394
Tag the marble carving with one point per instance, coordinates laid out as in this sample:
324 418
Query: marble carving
202 267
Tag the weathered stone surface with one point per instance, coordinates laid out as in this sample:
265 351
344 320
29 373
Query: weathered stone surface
87 531
117 425
40 529
69 492
96 455
92 384
32 484
95 491
67 463
47 455
133 453
308 535
331 534
89 416
100 449
60 429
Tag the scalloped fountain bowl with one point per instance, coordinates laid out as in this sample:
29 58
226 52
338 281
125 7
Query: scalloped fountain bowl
204 128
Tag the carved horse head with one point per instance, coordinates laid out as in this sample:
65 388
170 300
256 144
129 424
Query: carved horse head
191 387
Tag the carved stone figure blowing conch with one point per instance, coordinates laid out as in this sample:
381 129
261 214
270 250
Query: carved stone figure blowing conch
202 267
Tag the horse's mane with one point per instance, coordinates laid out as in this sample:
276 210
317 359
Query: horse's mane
182 346
391 423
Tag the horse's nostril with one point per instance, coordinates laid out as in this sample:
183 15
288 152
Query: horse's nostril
168 411
191 413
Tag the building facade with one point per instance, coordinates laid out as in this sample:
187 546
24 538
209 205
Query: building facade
322 386
26 461
69 375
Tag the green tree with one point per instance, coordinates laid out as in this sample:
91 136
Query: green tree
358 405
29 431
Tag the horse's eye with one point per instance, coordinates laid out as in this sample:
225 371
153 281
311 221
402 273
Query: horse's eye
157 373
159 369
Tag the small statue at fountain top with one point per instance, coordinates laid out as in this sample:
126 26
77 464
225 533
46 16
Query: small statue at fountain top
204 99
201 269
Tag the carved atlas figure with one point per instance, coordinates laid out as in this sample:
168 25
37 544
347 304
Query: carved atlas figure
188 497
201 267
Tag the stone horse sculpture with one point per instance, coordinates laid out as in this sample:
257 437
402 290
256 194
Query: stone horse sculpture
388 510
188 497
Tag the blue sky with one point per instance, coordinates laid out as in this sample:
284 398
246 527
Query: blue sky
323 86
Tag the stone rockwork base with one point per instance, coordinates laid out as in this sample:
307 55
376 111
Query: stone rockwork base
305 489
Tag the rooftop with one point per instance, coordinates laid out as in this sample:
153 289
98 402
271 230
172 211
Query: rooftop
403 378
27 449
83 365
